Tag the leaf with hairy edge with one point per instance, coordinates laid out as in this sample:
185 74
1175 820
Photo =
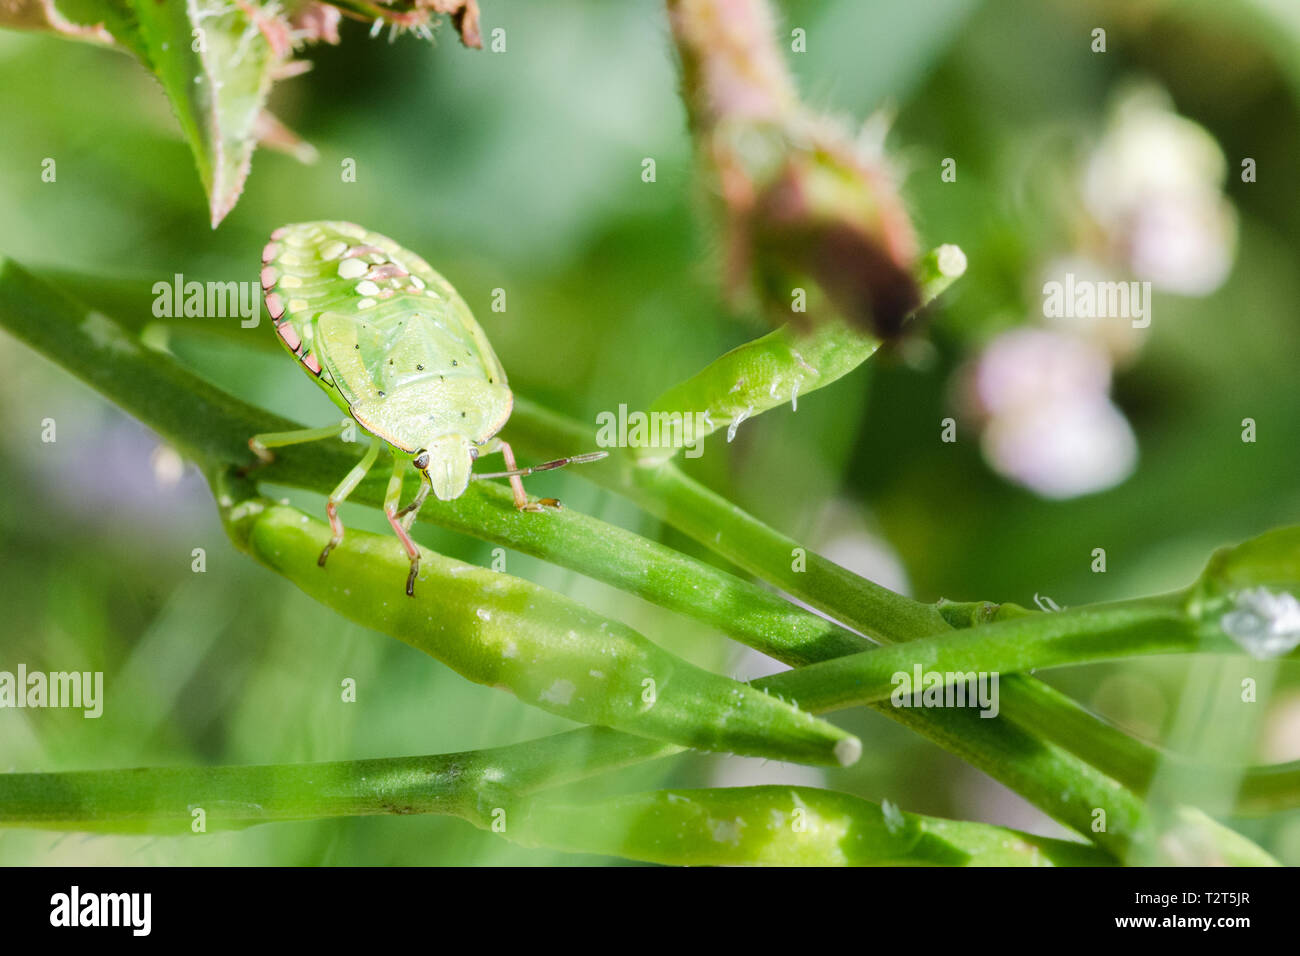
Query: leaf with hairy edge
216 66
213 58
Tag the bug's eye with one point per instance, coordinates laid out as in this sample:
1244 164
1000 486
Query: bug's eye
421 460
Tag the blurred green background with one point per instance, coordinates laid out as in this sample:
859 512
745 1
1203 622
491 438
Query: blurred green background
522 170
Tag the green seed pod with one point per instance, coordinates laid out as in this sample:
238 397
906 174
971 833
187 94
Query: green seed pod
546 649
781 826
778 368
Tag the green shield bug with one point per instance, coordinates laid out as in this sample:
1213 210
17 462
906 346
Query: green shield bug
396 347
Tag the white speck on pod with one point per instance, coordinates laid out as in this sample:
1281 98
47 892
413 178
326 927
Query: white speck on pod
559 693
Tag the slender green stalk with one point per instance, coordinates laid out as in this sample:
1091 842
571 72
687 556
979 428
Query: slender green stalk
1050 724
1069 789
492 789
1146 626
546 649
213 427
665 492
163 800
781 826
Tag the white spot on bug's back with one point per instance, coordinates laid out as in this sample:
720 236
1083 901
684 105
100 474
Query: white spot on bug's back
333 250
417 282
366 287
365 304
290 282
352 269
297 305
559 693
483 614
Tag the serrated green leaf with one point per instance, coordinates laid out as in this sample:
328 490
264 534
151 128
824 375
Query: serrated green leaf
214 64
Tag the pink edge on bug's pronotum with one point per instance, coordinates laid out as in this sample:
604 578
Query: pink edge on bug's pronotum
290 336
275 305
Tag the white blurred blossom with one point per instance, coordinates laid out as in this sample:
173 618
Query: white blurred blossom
1049 423
1028 366
1063 448
1155 186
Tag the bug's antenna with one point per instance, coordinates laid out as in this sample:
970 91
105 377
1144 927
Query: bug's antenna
544 466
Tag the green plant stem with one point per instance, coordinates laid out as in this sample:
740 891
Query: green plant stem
1039 710
1071 790
213 427
665 492
162 800
495 787
781 826
1147 626
548 650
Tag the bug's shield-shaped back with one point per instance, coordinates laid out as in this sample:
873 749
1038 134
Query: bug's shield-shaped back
399 386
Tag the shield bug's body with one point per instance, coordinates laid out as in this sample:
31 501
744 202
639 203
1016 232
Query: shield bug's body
394 346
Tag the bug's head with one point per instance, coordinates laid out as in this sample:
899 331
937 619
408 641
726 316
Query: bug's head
447 461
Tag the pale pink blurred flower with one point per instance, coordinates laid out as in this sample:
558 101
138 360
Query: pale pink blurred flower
1155 186
1064 447
1049 424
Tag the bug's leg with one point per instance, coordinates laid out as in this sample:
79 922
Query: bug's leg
391 500
517 485
345 488
260 445
408 513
